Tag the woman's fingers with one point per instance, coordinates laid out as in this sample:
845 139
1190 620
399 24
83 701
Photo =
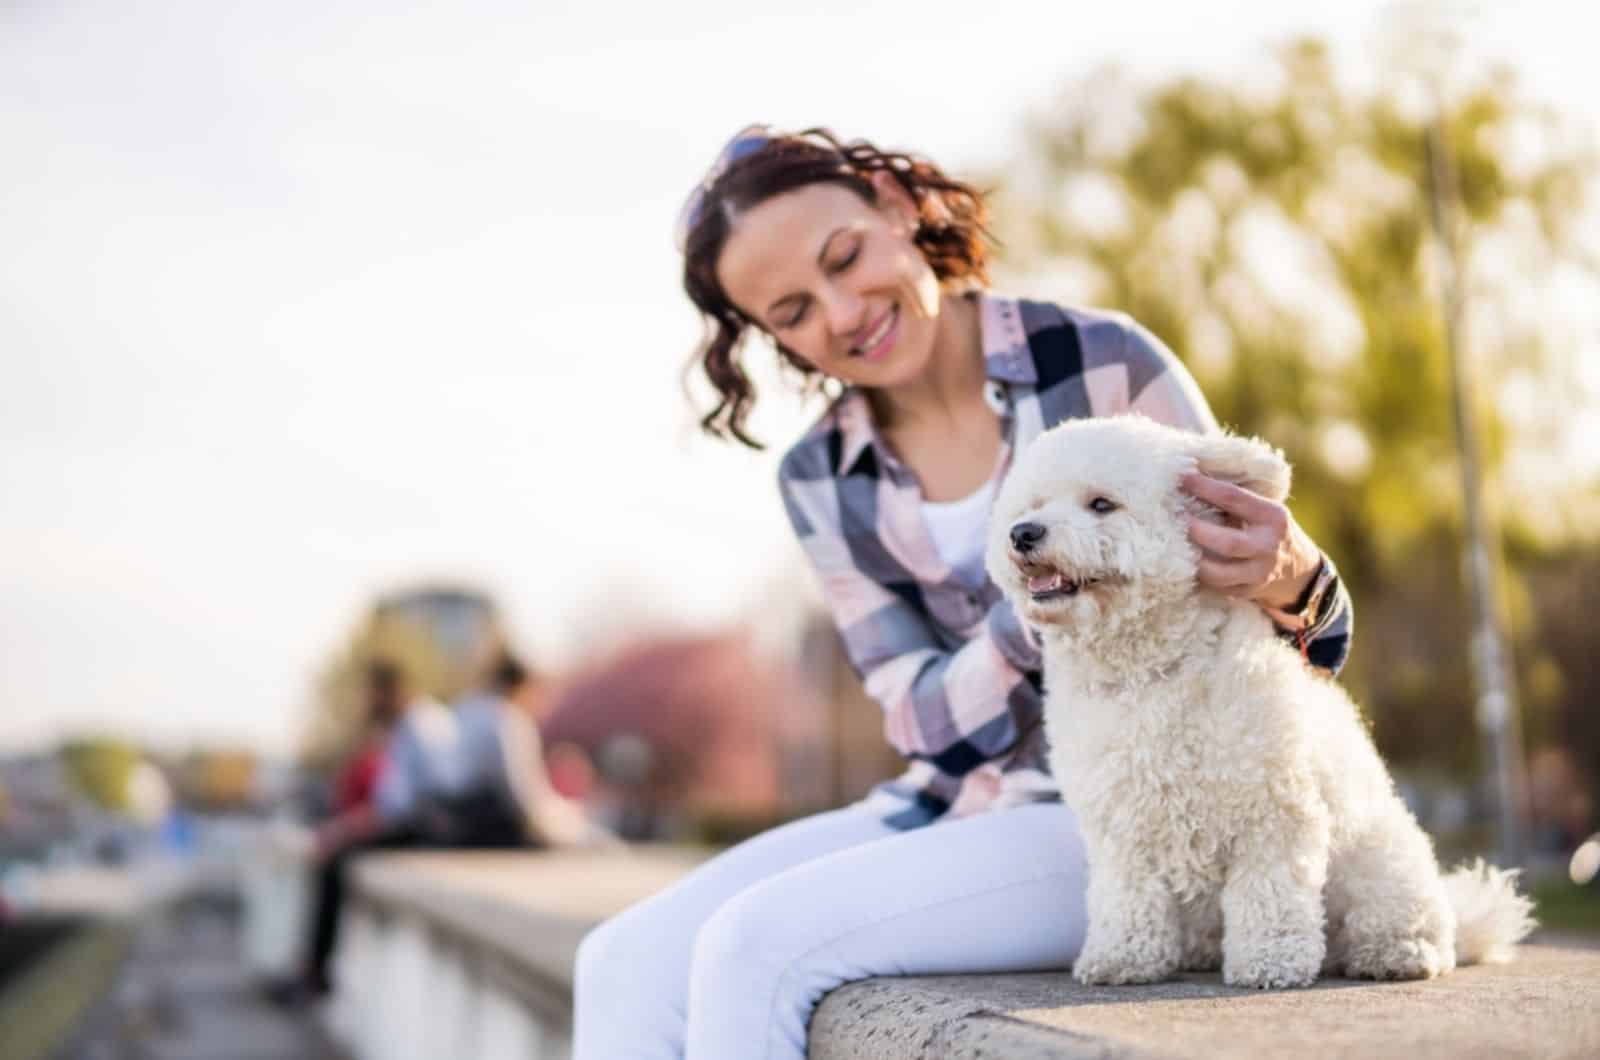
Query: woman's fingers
1234 577
1252 558
1228 542
1247 507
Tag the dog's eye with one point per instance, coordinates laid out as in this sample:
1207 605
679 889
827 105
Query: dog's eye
1102 506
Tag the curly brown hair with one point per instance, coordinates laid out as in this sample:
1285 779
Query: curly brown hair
951 233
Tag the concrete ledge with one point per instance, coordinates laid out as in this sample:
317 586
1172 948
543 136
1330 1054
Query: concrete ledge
472 954
1546 1003
527 911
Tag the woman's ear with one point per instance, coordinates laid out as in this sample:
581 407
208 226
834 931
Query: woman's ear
1247 462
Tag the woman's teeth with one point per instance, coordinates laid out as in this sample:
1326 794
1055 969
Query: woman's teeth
879 334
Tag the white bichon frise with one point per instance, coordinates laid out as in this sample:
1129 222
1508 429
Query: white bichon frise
1234 810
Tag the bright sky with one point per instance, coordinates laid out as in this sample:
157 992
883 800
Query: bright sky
301 302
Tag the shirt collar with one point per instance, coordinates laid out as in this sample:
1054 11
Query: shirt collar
1006 359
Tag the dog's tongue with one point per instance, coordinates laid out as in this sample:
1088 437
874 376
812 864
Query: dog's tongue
1044 583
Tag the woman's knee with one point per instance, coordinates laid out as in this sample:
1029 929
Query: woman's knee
617 952
751 937
760 966
722 939
597 951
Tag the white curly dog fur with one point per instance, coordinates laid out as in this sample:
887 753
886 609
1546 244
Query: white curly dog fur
1235 811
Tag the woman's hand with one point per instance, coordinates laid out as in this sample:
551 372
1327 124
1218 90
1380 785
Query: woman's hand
1261 554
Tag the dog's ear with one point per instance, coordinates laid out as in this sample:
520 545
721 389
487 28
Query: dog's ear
1247 462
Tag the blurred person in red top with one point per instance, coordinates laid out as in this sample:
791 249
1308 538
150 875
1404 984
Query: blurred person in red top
357 823
357 780
355 787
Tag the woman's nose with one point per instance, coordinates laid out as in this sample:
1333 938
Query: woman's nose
846 312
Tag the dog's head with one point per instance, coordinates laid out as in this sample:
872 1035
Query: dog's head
1091 529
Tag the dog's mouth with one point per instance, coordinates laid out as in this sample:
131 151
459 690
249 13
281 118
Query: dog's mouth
1047 583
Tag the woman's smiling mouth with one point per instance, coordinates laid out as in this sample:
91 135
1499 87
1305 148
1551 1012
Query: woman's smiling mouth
876 344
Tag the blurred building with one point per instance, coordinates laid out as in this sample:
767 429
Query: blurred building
217 780
463 624
39 803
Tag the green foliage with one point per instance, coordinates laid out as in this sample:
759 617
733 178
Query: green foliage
1279 240
101 768
1563 906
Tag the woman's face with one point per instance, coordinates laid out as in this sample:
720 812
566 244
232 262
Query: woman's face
837 281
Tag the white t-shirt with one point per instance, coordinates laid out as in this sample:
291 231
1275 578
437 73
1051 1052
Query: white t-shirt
959 528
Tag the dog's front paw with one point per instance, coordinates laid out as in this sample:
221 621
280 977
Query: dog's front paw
1288 967
1406 958
1101 967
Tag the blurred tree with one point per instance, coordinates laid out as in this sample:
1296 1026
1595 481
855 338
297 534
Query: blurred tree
1274 232
1561 669
100 768
217 779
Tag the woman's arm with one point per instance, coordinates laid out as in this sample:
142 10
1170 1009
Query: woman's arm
955 709
1267 557
551 818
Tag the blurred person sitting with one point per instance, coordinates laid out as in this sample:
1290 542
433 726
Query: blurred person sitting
375 812
407 750
505 786
468 777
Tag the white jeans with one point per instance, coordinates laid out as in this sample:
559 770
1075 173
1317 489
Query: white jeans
730 961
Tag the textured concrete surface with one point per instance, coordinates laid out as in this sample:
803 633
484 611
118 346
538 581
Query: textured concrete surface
526 908
1544 1004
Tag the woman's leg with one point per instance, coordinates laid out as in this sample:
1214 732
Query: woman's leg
1001 891
632 980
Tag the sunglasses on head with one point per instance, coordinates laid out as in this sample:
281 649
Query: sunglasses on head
746 141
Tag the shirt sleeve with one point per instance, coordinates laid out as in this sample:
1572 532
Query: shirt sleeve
1161 388
396 792
956 709
1325 640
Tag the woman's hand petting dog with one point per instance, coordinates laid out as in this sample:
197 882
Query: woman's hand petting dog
1261 553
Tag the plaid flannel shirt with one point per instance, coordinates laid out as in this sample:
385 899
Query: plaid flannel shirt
955 671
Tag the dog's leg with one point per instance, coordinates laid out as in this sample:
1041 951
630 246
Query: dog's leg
1134 934
1272 900
1397 922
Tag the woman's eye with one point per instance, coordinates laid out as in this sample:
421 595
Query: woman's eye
1101 505
794 320
848 260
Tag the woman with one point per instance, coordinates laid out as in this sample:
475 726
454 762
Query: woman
867 270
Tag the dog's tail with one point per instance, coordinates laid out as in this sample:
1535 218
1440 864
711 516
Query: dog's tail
1491 917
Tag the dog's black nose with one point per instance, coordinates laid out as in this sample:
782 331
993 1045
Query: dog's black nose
1025 535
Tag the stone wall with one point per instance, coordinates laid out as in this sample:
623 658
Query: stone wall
470 954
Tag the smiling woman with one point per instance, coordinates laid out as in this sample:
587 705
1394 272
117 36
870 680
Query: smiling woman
866 270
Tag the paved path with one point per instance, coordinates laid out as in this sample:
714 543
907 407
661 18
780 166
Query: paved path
184 994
